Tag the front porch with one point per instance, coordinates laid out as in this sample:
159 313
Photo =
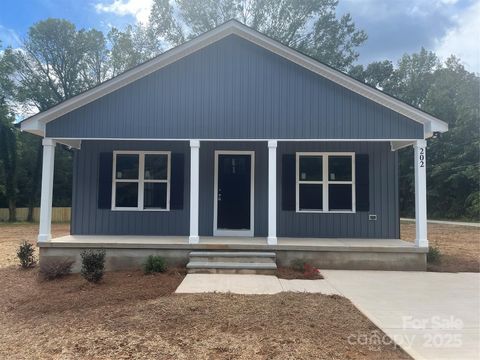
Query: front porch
332 204
126 252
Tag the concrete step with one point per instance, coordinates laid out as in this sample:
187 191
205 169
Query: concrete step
195 267
234 271
233 256
232 262
236 259
257 254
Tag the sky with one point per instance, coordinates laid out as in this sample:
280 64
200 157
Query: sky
394 27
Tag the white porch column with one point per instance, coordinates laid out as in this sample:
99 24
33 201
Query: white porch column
44 233
272 192
194 190
420 149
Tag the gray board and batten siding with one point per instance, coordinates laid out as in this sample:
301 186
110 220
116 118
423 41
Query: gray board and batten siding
234 89
89 219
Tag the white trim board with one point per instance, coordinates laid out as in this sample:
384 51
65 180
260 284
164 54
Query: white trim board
395 144
36 123
59 139
226 232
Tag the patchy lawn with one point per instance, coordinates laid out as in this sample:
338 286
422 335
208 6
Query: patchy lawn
131 315
459 246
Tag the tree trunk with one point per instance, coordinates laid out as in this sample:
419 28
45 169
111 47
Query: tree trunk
12 210
8 154
36 181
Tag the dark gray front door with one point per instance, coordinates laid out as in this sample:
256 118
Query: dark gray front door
234 190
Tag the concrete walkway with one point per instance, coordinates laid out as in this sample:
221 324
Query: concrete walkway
250 284
431 315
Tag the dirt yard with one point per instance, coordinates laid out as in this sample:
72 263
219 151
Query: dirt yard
459 246
131 315
134 316
11 235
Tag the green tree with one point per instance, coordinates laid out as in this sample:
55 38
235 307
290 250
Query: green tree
8 158
377 74
413 77
451 93
8 134
57 61
310 26
454 171
129 48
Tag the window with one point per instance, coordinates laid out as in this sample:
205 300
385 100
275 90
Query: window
141 180
325 182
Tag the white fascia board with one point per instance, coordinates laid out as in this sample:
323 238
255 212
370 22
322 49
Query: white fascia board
74 144
34 126
235 139
397 145
36 123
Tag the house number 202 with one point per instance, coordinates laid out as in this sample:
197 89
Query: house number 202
421 157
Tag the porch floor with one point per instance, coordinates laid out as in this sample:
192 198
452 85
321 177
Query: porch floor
232 243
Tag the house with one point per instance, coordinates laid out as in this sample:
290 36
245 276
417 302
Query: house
233 142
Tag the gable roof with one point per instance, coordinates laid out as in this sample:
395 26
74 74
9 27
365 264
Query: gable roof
36 123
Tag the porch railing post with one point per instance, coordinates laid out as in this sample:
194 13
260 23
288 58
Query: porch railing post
420 154
272 192
45 233
194 190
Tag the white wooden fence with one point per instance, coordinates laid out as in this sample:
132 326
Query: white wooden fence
59 214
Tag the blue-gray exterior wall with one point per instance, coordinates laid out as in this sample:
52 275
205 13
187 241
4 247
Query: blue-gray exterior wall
234 89
383 191
88 219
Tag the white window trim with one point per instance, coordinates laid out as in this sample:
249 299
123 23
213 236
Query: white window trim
324 182
141 179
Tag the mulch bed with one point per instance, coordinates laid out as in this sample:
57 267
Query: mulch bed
134 316
291 274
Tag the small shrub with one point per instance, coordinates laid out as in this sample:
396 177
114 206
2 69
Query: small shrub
155 264
433 255
310 271
93 265
298 265
26 255
54 269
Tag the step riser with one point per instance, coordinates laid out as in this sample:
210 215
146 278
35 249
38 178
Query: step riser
232 262
234 271
232 254
233 259
222 265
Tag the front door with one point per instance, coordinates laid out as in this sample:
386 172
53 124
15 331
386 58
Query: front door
233 193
